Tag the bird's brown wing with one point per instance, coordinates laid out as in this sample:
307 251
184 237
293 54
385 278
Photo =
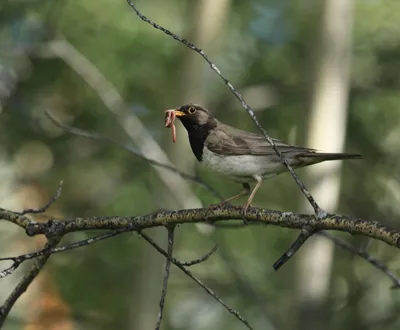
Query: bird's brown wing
228 141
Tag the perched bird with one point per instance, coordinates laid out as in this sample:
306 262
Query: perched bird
243 156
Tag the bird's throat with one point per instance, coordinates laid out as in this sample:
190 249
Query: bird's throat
197 134
197 137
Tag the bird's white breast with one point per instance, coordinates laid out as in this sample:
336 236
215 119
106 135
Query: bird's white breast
241 166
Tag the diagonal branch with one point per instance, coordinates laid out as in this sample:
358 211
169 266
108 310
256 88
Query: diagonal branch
17 261
305 234
199 282
26 280
364 255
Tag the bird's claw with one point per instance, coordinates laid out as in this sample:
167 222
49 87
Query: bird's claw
244 213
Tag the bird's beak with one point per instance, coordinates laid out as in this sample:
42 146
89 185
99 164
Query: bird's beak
179 113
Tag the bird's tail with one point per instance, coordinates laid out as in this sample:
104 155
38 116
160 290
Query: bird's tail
320 157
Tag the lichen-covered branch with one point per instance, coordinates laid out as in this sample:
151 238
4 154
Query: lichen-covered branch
336 222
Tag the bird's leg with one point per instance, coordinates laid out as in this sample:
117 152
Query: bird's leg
244 192
259 180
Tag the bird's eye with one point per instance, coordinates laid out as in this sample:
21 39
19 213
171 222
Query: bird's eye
192 110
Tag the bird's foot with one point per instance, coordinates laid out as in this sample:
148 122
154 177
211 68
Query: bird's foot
244 213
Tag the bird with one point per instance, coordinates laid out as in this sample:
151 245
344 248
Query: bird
243 156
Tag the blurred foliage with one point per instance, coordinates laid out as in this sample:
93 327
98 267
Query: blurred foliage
267 46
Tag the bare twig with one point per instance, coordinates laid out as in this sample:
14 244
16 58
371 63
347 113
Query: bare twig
48 204
129 148
306 233
20 259
337 241
17 261
200 260
318 211
199 282
171 231
364 255
26 281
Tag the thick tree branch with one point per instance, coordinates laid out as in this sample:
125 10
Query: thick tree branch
56 228
337 222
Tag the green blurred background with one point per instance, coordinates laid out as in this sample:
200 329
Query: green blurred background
97 66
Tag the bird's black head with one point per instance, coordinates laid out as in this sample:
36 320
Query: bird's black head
195 117
198 122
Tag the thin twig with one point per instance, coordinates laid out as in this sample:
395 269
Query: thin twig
171 231
318 211
28 256
16 262
306 233
200 260
161 218
129 148
364 255
48 204
20 259
199 282
26 281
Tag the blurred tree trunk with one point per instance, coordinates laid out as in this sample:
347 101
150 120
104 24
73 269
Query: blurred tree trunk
327 130
205 20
